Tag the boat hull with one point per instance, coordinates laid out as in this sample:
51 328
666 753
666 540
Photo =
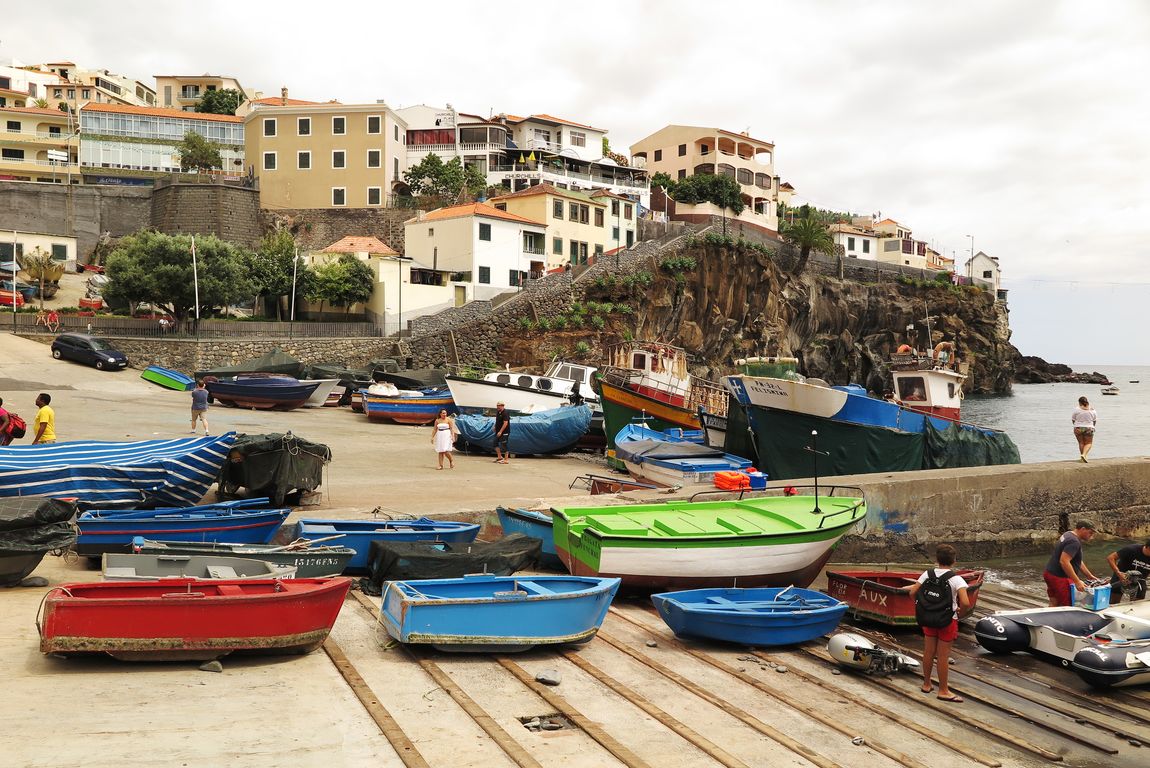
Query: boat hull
768 617
314 563
478 396
319 397
682 545
493 613
537 525
358 534
100 533
14 567
879 596
622 406
120 566
168 378
407 410
262 394
176 619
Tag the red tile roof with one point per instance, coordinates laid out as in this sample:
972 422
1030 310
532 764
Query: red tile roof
278 101
549 189
36 111
477 209
159 112
372 245
549 118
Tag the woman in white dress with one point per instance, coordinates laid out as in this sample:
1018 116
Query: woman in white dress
1085 420
443 434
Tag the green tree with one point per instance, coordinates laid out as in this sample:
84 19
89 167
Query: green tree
198 153
271 269
342 282
446 181
663 180
808 233
157 268
721 190
223 102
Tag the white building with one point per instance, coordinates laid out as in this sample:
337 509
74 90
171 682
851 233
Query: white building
856 242
984 271
486 251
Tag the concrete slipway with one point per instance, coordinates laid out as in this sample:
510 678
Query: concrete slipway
633 696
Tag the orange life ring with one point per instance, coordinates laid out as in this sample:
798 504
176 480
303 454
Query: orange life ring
905 349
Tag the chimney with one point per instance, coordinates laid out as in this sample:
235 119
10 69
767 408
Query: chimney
283 96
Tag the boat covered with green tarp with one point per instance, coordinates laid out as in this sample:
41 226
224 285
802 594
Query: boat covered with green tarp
276 361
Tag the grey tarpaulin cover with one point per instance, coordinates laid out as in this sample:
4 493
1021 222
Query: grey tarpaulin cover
393 561
35 525
273 465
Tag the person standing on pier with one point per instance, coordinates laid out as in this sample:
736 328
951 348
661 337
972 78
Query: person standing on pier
1084 420
502 434
1065 564
940 599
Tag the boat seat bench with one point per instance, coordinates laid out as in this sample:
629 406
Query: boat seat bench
229 589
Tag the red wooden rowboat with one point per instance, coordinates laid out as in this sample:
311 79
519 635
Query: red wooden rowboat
177 619
878 595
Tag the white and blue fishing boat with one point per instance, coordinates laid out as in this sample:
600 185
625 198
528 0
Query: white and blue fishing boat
496 613
672 457
762 616
146 472
166 377
554 431
262 391
358 534
113 530
384 402
537 525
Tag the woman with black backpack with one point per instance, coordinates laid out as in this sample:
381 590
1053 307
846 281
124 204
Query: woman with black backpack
939 599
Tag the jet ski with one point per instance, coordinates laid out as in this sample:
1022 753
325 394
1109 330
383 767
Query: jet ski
1105 648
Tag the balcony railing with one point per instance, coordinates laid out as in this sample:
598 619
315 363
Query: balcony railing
39 163
562 175
537 250
424 149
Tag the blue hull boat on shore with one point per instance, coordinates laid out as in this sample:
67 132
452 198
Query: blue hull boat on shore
760 616
157 472
672 457
113 530
358 534
555 431
496 613
537 525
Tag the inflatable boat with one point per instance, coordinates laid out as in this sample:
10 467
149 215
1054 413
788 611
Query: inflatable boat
1106 648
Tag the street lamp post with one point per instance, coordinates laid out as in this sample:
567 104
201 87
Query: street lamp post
971 245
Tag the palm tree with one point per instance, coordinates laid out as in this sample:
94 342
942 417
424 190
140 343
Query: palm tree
41 103
808 233
40 266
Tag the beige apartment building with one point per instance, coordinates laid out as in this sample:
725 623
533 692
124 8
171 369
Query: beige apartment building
325 155
580 226
37 145
685 150
185 91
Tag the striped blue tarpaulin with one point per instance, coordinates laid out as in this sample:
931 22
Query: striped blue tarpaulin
173 473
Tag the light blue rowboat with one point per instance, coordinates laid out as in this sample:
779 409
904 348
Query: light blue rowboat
112 531
757 616
358 534
496 613
537 525
672 457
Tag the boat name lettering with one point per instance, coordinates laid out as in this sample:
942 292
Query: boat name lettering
317 561
766 387
873 597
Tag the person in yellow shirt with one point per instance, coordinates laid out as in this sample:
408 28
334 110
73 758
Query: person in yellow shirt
44 426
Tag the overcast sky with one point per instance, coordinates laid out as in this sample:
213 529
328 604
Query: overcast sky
1023 124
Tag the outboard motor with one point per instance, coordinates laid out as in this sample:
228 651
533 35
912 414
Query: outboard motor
857 652
1135 586
1001 634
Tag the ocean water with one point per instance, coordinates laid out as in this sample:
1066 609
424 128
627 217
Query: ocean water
1037 416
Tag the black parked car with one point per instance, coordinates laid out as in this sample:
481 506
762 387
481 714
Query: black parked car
89 350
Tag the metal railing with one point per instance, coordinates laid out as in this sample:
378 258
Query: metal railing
108 325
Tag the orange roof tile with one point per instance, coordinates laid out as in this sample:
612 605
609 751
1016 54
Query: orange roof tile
786 185
274 101
477 209
568 122
547 188
36 111
351 244
159 112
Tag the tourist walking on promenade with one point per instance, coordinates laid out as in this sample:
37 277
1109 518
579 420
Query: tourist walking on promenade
1084 420
44 426
443 434
1130 558
502 434
200 406
1065 563
940 599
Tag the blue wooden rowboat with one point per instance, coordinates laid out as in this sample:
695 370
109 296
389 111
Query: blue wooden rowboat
496 613
759 616
673 457
166 377
407 406
112 531
263 392
537 525
358 534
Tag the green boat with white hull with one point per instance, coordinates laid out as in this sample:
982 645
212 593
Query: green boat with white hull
764 541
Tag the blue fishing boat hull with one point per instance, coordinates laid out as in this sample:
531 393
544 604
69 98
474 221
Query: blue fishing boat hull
112 531
172 473
759 616
358 534
553 431
496 613
263 392
409 409
537 525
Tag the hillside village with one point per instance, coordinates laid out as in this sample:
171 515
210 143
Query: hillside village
553 195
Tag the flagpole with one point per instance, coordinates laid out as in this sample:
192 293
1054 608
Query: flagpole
196 283
294 271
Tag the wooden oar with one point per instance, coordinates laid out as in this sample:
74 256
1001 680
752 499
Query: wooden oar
303 543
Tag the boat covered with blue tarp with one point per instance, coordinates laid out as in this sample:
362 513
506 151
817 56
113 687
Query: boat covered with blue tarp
553 431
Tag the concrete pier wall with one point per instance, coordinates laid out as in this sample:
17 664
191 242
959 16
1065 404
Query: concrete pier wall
996 511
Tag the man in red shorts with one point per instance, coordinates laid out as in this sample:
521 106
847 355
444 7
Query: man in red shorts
937 640
1065 564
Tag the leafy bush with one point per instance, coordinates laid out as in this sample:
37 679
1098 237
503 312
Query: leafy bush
624 309
559 323
582 348
543 324
598 322
525 323
678 264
